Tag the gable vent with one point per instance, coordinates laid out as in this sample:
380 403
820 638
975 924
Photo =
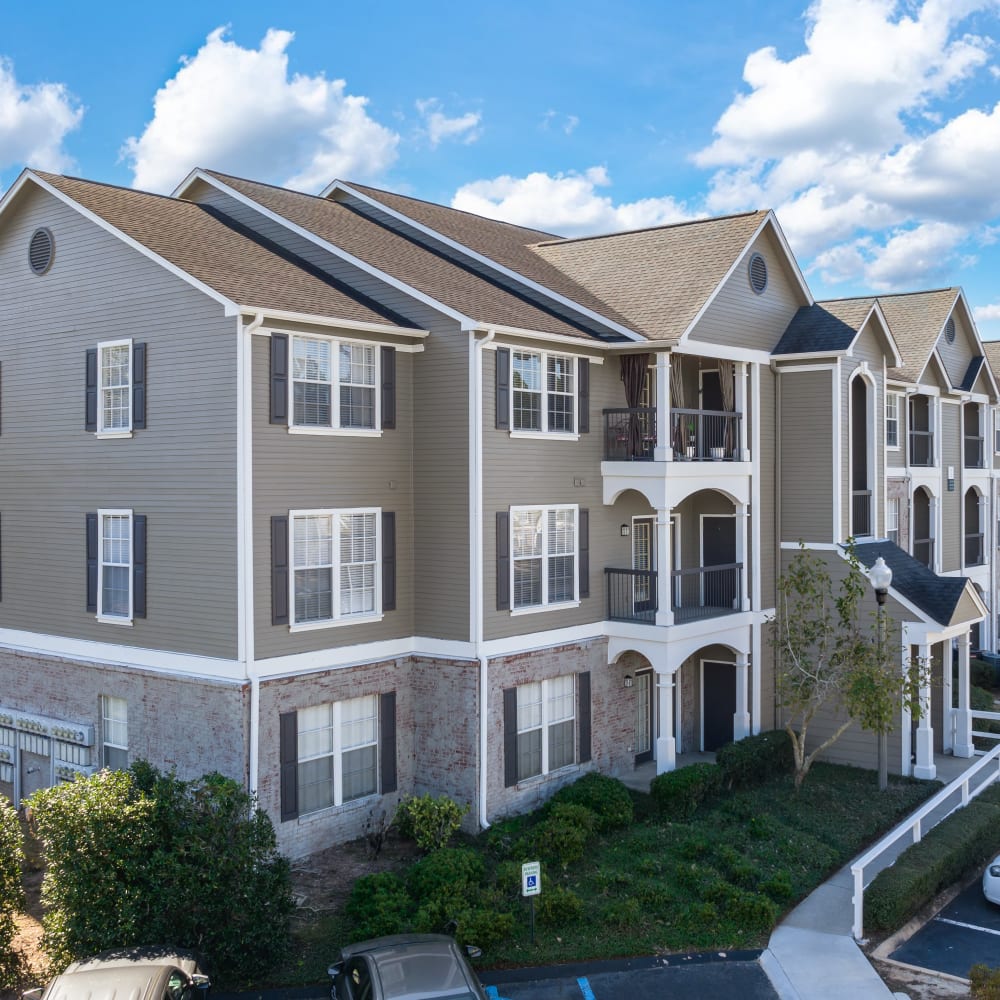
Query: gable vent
949 330
757 272
41 250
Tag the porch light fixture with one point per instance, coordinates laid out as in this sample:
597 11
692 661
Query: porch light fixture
881 578
628 680
626 530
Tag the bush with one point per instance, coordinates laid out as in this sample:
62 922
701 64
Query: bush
11 896
755 759
448 872
984 982
431 822
678 794
966 839
379 904
576 815
607 797
139 856
557 906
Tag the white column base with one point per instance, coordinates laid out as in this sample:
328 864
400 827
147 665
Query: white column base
925 755
741 725
666 754
963 734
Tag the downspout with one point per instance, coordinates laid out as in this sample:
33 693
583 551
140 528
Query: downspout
476 610
777 526
244 505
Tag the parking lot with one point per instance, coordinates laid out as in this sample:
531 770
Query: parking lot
965 932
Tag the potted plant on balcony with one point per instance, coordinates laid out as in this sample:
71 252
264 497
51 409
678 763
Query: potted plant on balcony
689 450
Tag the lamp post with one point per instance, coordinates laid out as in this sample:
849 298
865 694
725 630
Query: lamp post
881 579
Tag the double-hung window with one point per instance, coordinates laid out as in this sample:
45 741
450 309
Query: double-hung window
333 384
114 566
543 392
892 519
543 555
114 733
335 566
546 713
114 370
892 420
337 753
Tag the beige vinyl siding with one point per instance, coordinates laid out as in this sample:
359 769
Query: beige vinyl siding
851 368
805 429
951 500
766 513
180 471
738 317
955 357
933 377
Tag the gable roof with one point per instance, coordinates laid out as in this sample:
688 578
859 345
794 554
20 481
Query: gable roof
825 327
916 320
241 268
992 349
971 374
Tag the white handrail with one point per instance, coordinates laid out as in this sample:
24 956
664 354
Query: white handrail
913 826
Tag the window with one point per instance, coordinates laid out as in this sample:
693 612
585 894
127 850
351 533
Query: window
892 420
545 726
114 714
116 388
892 519
337 753
996 431
114 566
543 550
544 390
335 565
333 384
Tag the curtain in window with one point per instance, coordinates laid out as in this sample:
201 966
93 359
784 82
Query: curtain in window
677 401
633 375
728 388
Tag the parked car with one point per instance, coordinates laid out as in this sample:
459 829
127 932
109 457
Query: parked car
406 967
144 973
991 881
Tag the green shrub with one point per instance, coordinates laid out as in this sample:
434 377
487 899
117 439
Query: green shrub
778 887
505 835
965 840
984 982
607 797
622 914
562 838
678 794
577 815
981 673
483 926
451 871
379 904
751 911
557 906
755 759
431 822
12 966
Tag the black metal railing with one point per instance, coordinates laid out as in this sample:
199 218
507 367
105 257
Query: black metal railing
706 592
631 595
630 434
974 555
923 551
861 512
705 435
975 454
921 448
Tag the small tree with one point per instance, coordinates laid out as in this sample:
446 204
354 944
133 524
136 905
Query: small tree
12 964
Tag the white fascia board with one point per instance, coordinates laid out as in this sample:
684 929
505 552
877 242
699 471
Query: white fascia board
877 312
482 259
193 175
786 369
697 348
336 251
979 340
231 309
806 356
557 338
344 324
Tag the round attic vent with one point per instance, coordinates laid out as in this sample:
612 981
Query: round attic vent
757 272
41 250
949 330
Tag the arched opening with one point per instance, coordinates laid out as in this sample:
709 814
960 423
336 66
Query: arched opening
923 535
975 453
975 550
862 471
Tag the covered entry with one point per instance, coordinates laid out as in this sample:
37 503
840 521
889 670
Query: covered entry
718 703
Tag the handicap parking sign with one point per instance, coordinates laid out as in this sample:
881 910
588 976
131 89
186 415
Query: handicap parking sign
531 878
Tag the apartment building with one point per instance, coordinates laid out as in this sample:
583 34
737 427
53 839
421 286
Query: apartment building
353 496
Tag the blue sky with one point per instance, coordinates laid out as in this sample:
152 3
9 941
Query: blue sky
871 127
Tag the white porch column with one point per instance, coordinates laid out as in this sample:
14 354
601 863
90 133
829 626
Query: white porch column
742 548
741 718
924 768
664 566
742 402
663 452
963 717
666 748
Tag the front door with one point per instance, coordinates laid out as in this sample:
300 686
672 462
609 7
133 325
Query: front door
718 548
718 704
644 717
643 558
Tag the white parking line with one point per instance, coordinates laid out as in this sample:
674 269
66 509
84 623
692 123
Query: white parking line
971 927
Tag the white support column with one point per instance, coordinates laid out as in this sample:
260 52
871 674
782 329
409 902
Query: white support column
924 768
742 402
742 548
664 567
905 720
663 452
741 718
963 746
666 748
947 700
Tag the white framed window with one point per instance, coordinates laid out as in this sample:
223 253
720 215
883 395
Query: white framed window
543 396
114 732
543 556
546 716
892 420
892 519
996 431
336 574
114 387
333 385
337 753
114 565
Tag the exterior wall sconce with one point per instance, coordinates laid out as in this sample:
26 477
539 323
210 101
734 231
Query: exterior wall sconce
626 531
628 680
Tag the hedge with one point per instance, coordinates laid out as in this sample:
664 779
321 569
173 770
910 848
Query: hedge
678 794
756 759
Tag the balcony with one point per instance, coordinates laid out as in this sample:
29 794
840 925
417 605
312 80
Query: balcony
861 513
922 448
923 551
695 435
702 592
975 454
974 550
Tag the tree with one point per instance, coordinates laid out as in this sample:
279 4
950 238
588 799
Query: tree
830 656
12 966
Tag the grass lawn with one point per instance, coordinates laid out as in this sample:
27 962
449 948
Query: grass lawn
718 881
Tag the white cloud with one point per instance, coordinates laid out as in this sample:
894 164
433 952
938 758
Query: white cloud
238 110
567 204
438 126
34 122
566 123
988 313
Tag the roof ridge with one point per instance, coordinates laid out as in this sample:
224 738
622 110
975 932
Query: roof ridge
45 174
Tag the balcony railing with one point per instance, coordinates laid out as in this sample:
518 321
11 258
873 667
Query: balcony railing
861 512
974 555
921 448
923 551
631 595
695 435
707 592
975 457
630 434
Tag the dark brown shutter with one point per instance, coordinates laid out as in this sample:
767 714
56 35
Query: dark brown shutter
279 378
388 561
583 395
503 560
503 389
138 387
583 714
139 566
92 561
509 737
279 570
387 742
583 548
289 760
388 388
90 403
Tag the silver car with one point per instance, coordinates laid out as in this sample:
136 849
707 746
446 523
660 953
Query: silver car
406 967
991 881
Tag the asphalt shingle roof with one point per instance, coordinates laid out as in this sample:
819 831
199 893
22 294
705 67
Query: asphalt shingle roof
972 373
824 327
992 349
916 320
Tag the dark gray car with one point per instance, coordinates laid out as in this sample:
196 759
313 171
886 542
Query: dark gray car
405 967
